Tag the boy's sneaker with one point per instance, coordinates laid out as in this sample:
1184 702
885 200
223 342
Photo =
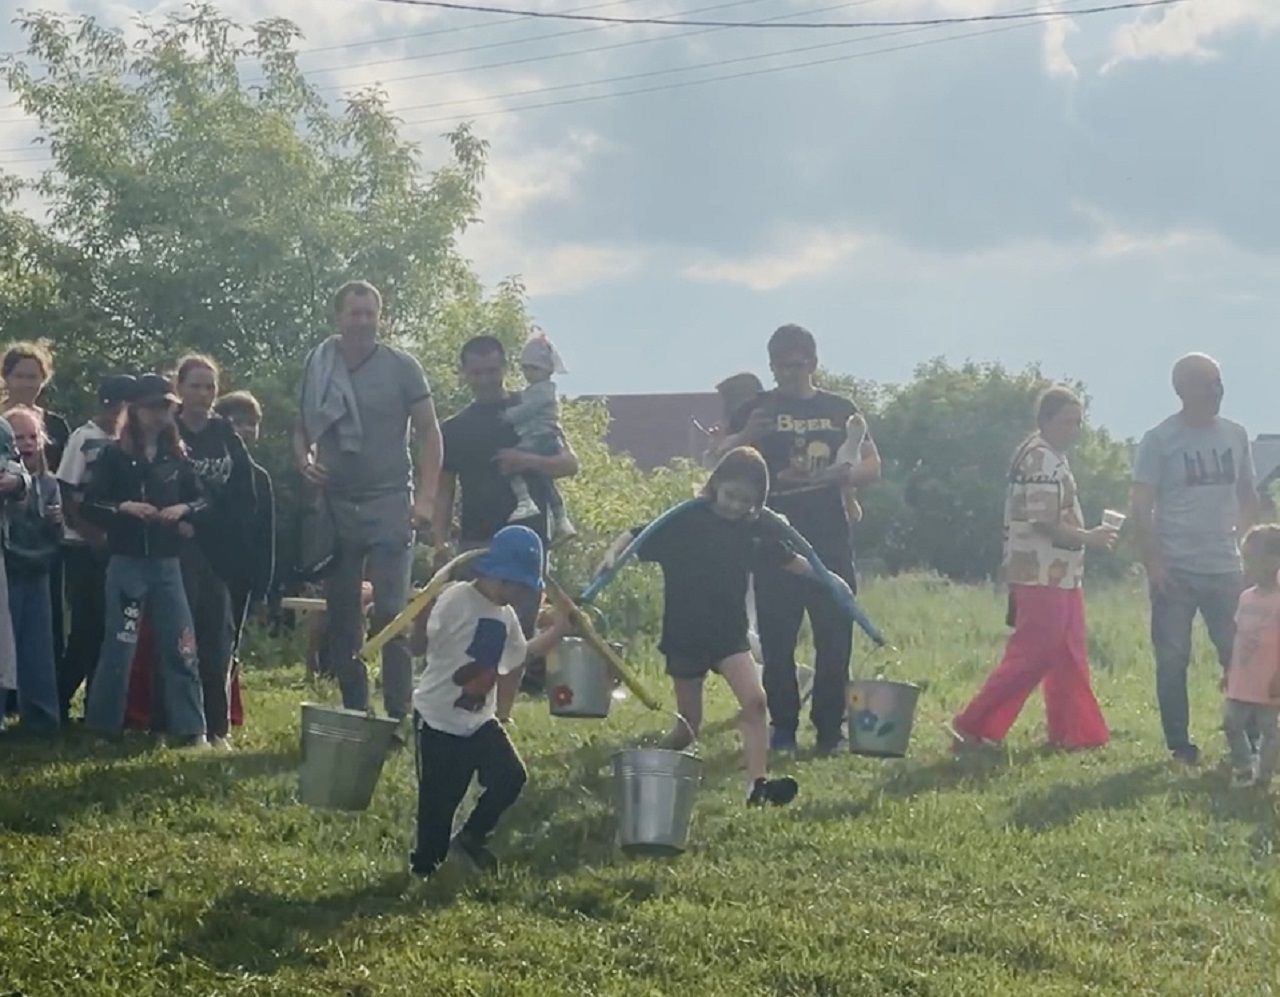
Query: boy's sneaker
1188 754
829 745
526 508
1242 778
474 852
782 740
220 743
778 792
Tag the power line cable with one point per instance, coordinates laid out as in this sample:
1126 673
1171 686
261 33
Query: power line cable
562 55
812 25
717 79
514 41
1043 16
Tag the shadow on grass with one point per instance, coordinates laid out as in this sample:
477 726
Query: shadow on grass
1061 803
47 807
27 753
1206 789
250 932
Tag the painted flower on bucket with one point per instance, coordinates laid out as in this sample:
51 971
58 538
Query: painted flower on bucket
562 695
865 720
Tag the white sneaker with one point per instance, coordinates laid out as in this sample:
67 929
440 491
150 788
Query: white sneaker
221 743
563 529
525 509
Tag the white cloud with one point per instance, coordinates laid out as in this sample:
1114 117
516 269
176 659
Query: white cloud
816 254
811 253
570 267
1057 60
1186 30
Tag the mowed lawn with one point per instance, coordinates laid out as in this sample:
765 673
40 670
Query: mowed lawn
133 869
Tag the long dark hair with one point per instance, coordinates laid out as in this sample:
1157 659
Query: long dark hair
168 443
742 464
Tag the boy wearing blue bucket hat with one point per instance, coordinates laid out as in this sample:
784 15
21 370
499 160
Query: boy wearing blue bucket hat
474 644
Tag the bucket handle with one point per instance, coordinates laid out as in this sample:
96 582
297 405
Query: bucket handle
893 658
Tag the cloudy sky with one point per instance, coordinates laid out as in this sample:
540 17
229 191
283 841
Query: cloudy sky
1096 195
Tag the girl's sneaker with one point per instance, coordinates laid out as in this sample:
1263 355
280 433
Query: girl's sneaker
778 792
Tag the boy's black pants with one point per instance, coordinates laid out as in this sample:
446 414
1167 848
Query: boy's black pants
446 764
782 600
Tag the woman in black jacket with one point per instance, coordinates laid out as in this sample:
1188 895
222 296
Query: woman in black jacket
145 494
213 559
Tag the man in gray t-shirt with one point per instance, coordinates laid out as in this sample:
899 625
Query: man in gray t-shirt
1193 498
359 399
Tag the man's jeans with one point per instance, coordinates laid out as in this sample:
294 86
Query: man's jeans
373 535
152 585
1173 611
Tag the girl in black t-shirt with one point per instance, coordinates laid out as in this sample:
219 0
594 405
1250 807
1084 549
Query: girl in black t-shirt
707 554
218 552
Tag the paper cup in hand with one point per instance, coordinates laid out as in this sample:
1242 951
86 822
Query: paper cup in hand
1113 520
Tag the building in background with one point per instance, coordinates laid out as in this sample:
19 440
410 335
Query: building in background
658 429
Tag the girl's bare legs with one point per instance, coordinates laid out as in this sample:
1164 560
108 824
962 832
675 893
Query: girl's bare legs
740 672
689 706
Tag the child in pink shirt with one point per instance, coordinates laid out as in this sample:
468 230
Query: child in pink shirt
1253 679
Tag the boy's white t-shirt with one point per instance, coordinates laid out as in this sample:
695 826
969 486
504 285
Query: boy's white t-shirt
81 451
470 642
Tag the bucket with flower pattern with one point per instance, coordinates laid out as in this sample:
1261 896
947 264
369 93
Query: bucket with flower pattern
880 715
579 681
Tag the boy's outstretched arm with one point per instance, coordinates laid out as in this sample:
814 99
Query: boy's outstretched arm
538 647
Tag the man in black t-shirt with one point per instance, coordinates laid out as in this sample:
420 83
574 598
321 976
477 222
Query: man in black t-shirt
479 455
798 428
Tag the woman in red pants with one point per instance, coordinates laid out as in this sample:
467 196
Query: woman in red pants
1044 547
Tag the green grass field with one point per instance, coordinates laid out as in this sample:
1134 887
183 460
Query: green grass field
133 869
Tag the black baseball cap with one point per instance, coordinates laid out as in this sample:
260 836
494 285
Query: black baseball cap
117 388
152 389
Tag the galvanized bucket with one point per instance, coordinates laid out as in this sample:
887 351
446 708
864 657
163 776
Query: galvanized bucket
579 681
880 715
342 756
654 791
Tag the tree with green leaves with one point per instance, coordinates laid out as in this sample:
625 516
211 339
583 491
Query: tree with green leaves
947 437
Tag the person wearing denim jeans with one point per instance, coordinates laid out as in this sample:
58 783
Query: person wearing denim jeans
1193 498
374 539
156 584
30 550
360 399
145 494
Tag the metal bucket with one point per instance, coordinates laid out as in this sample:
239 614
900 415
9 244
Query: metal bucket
579 681
342 756
880 715
654 791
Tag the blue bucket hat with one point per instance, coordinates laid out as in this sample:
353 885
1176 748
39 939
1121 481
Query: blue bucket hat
514 555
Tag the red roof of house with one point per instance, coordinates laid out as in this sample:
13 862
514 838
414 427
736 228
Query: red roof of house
657 429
